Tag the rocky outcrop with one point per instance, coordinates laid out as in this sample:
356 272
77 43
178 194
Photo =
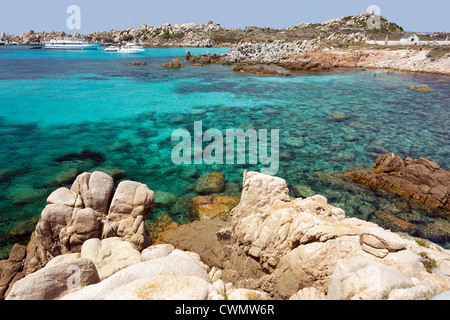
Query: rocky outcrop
110 255
271 246
274 52
174 64
22 261
87 211
112 269
90 209
418 179
293 248
11 267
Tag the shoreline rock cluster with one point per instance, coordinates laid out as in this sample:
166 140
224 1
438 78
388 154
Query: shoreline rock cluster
309 56
91 243
261 53
295 249
418 179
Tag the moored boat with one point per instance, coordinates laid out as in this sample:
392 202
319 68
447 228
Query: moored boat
131 48
71 45
112 49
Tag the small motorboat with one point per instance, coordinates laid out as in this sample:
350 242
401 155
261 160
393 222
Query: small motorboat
36 47
112 49
131 48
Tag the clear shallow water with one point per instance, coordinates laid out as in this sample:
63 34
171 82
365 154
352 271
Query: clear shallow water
55 103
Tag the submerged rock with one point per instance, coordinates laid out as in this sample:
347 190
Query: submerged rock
204 207
164 199
174 64
394 223
97 157
211 182
176 264
22 194
159 225
420 87
11 267
89 210
337 117
436 231
261 71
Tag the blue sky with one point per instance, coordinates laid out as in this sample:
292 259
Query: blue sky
17 16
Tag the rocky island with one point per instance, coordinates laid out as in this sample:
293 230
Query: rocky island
343 42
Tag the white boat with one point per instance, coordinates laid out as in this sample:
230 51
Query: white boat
131 48
112 49
71 45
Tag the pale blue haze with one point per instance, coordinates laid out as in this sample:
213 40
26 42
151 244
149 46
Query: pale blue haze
20 15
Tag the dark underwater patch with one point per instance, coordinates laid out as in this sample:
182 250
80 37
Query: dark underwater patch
97 157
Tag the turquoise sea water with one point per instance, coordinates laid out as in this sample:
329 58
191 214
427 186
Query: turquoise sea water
54 103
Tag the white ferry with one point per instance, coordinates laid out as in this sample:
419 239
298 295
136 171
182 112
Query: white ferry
71 45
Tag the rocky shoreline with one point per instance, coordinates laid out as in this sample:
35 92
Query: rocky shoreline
263 245
337 43
305 56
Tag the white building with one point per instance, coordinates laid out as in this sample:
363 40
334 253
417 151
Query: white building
410 37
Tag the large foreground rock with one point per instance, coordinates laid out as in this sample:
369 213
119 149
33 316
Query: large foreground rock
308 248
90 209
164 287
129 208
110 255
138 279
55 280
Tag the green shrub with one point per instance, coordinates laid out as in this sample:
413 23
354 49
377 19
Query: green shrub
127 37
